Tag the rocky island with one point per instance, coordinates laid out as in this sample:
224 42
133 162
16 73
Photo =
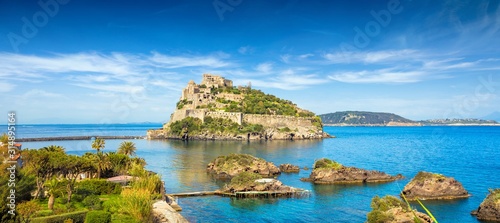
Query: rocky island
249 184
227 167
327 171
217 110
489 209
390 209
364 118
289 168
426 186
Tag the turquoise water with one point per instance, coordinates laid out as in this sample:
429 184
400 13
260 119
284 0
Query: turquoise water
470 154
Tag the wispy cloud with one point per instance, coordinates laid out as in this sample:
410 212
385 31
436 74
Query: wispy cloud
116 72
264 68
245 50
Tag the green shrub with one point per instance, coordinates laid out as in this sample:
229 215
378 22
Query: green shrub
327 163
245 178
95 186
77 217
380 206
93 202
43 213
98 217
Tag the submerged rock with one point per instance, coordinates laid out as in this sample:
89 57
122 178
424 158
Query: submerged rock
226 167
289 168
390 209
330 172
489 209
427 185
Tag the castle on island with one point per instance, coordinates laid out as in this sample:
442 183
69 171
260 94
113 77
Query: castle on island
212 97
196 100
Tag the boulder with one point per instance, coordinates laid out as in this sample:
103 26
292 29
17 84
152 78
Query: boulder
226 167
330 172
489 209
425 186
289 168
248 181
390 209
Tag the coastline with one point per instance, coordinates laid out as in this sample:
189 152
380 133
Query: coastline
66 138
423 125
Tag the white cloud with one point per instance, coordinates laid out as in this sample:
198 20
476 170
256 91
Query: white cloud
384 56
264 67
379 76
289 80
37 93
6 87
245 50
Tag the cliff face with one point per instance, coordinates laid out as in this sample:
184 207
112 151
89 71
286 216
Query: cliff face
215 110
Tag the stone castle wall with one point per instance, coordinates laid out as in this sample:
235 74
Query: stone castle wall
233 116
279 121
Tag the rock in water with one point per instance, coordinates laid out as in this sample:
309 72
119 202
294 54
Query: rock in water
489 209
226 167
390 209
289 168
330 172
425 186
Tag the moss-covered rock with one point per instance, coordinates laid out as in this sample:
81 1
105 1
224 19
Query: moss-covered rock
489 209
327 171
390 209
425 186
225 167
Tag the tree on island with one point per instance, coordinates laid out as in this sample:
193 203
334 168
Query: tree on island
98 144
127 147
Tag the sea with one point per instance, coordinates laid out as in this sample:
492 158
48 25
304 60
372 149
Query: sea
469 154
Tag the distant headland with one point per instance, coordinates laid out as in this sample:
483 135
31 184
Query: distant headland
364 118
217 110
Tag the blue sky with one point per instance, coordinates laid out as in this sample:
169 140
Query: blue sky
72 61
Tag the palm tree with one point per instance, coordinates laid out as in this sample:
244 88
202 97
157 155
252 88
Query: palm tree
53 148
103 163
98 144
128 148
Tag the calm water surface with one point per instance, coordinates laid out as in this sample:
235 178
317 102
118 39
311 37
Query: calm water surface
470 154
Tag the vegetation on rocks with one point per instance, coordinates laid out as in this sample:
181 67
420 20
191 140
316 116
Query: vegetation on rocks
326 163
244 178
234 164
391 209
327 171
211 125
489 209
427 185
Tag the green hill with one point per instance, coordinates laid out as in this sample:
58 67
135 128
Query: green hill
365 118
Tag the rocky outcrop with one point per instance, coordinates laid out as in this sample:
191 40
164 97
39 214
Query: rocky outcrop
248 181
390 209
330 172
256 115
289 168
163 213
425 186
225 167
489 209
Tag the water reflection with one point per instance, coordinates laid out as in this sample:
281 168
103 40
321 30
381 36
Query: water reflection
252 203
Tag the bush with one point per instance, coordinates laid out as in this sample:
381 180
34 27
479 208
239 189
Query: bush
44 213
327 163
98 217
380 206
77 217
245 178
137 203
95 187
93 202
